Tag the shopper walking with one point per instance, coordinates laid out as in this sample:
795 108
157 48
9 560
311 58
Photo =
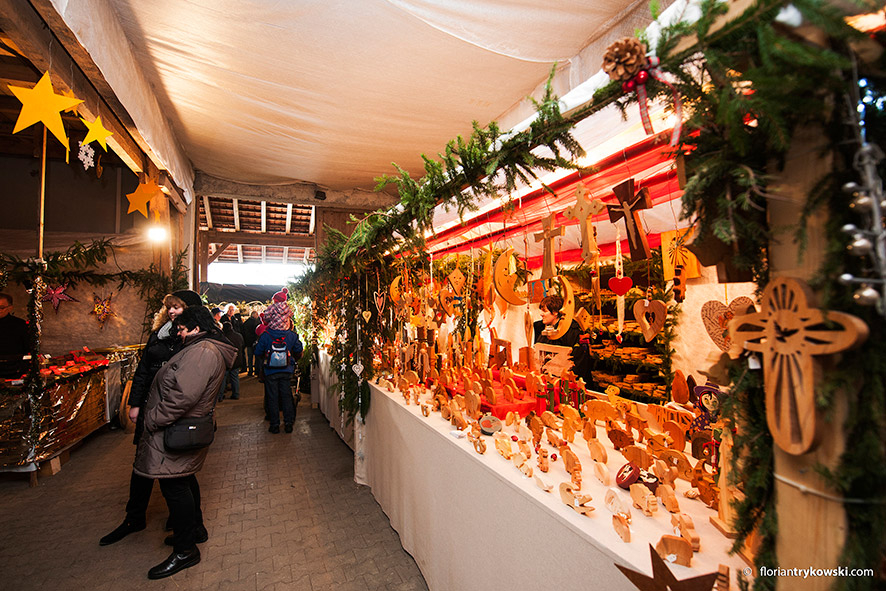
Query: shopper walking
249 338
185 387
281 348
232 376
162 344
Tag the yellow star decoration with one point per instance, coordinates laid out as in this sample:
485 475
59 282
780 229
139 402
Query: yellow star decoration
97 132
42 104
138 200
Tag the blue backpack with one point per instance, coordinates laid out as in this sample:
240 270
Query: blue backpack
278 356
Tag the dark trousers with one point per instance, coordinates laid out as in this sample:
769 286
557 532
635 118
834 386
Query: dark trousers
278 394
182 496
250 360
232 376
139 496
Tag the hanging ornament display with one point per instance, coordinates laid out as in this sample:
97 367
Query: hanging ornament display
584 210
620 285
42 105
650 315
57 295
138 199
548 233
788 332
505 279
715 316
676 254
96 133
628 209
86 155
625 60
101 308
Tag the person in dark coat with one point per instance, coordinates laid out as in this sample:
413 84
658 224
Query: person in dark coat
14 340
185 386
551 314
232 315
249 338
162 344
233 375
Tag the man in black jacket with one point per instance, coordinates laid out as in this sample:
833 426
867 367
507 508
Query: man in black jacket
249 338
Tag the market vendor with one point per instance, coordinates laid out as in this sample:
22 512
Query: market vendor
13 340
551 314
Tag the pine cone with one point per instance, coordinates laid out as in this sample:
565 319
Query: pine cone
624 58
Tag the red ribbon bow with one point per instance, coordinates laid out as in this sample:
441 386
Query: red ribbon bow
638 82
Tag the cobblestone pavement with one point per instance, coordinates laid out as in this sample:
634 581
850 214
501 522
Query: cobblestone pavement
283 513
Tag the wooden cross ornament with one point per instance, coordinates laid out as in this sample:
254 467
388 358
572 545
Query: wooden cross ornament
548 233
583 210
629 205
788 332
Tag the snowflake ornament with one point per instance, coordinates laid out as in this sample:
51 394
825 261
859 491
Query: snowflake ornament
86 155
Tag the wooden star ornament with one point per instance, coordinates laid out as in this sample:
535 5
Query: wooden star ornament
789 333
664 580
97 132
42 105
57 295
138 200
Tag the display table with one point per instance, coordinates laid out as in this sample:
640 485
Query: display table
322 395
473 521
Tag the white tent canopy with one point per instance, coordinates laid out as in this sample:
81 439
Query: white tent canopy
333 92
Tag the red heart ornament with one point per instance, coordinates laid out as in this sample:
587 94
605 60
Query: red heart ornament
621 285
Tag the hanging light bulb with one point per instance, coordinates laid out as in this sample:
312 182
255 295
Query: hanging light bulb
850 228
846 278
866 296
851 188
860 246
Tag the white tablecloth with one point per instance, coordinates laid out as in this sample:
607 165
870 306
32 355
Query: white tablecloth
322 395
474 522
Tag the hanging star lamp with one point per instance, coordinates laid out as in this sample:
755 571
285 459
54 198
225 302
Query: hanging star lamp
57 295
42 105
101 308
138 199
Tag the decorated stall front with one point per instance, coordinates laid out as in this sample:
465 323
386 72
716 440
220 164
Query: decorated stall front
630 347
80 281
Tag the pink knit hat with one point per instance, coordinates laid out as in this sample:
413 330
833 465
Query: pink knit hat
276 315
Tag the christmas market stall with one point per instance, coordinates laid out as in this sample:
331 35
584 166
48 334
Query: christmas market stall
80 278
704 387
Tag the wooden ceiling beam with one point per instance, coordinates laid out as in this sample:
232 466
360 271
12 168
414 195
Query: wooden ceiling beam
253 238
301 193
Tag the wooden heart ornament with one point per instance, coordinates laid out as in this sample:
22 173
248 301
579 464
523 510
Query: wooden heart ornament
367 315
716 316
380 298
621 285
651 316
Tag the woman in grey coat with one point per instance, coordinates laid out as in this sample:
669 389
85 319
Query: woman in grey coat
185 386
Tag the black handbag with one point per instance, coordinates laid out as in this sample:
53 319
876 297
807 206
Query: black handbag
190 433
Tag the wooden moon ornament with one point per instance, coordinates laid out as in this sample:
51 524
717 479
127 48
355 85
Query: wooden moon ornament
396 290
504 280
788 332
568 309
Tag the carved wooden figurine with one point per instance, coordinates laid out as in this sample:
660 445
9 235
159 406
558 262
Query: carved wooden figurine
621 515
675 546
524 447
599 410
472 405
543 463
597 451
638 456
683 523
643 499
550 420
537 428
618 436
668 498
678 460
570 460
553 438
578 503
503 445
601 471
589 431
666 474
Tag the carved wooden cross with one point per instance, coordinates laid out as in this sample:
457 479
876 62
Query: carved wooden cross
629 205
582 211
548 233
788 333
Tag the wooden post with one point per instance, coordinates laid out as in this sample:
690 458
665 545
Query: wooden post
41 207
812 529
